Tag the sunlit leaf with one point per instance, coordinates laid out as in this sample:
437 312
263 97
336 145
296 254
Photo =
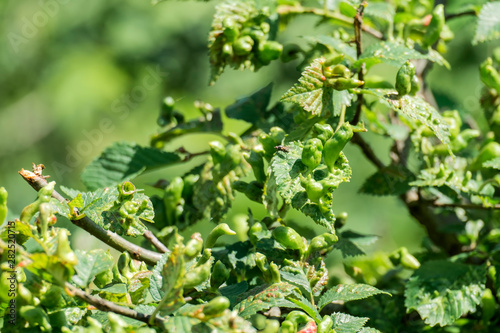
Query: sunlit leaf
344 323
395 53
264 297
124 161
348 292
90 264
443 291
488 24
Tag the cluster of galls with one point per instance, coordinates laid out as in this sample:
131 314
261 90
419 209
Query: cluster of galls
244 44
337 75
326 146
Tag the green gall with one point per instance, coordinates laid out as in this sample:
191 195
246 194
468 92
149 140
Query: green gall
3 204
336 144
217 151
196 276
256 161
415 85
312 152
298 318
404 78
489 75
333 59
256 232
435 26
288 327
343 83
216 306
323 131
325 325
269 51
63 251
36 316
219 275
194 246
314 189
289 238
243 45
220 230
341 220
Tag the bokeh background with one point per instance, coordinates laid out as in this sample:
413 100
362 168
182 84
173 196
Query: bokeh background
76 76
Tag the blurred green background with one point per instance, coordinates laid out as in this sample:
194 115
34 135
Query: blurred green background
76 76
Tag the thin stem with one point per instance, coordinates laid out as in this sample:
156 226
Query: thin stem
112 239
155 242
297 9
452 16
358 24
108 306
367 150
460 205
342 117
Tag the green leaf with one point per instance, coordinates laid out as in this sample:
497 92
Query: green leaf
443 291
123 161
335 44
488 24
348 292
288 166
21 229
172 276
300 280
270 196
493 163
117 293
180 324
155 281
233 291
311 93
77 202
303 303
395 53
349 242
415 108
265 297
66 316
90 264
105 208
369 330
251 109
314 96
213 192
391 180
381 10
344 323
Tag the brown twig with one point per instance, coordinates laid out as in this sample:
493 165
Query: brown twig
107 306
467 13
367 150
112 239
358 24
156 242
460 205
